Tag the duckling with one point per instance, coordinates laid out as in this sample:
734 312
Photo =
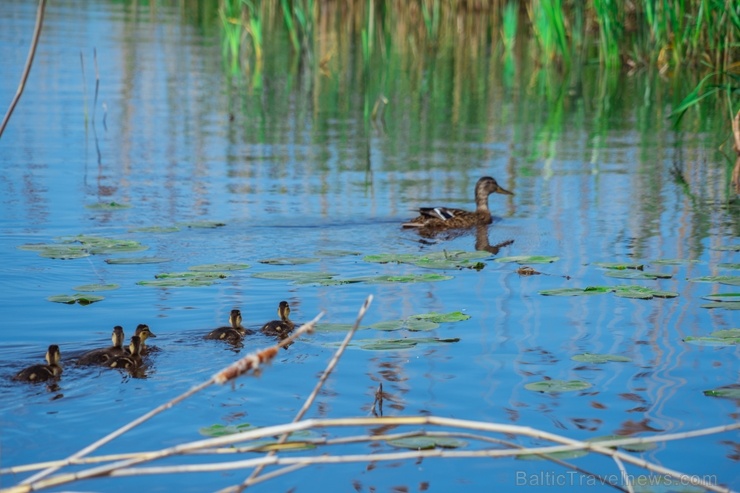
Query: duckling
143 332
234 332
41 373
130 360
103 355
280 327
440 218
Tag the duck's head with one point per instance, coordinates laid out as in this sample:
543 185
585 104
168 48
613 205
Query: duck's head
235 318
135 346
53 356
487 186
144 332
117 336
283 310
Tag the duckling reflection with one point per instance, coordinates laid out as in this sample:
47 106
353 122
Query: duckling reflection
103 355
232 333
432 220
52 370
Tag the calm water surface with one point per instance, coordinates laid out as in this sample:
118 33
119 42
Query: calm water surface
294 170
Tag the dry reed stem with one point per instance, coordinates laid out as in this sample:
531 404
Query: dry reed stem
317 388
121 468
27 67
244 364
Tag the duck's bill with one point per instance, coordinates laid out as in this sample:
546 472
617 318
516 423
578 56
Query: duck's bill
504 191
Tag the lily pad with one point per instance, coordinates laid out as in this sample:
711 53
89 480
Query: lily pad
337 253
136 260
574 291
722 297
82 299
290 260
117 246
728 392
676 261
728 337
442 317
426 443
218 430
294 275
155 229
191 275
721 279
731 282
727 248
528 259
404 278
385 258
108 206
408 323
729 266
64 252
217 267
636 274
195 282
397 344
203 224
96 287
600 358
558 386
453 259
726 305
619 265
641 292
331 327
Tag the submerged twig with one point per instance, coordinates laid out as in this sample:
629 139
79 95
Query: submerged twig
27 67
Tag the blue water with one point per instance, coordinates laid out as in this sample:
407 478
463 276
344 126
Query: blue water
163 141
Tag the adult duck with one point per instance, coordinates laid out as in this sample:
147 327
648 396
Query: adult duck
440 218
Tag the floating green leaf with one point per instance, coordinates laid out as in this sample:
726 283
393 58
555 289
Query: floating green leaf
722 297
136 260
203 224
442 317
397 344
600 358
331 327
528 259
117 246
218 430
636 274
108 206
729 266
558 386
735 281
454 259
727 337
155 229
191 275
676 261
728 392
575 291
337 253
384 258
408 323
290 260
426 443
721 279
217 267
177 283
727 248
64 252
96 287
82 299
641 292
619 265
724 305
294 275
